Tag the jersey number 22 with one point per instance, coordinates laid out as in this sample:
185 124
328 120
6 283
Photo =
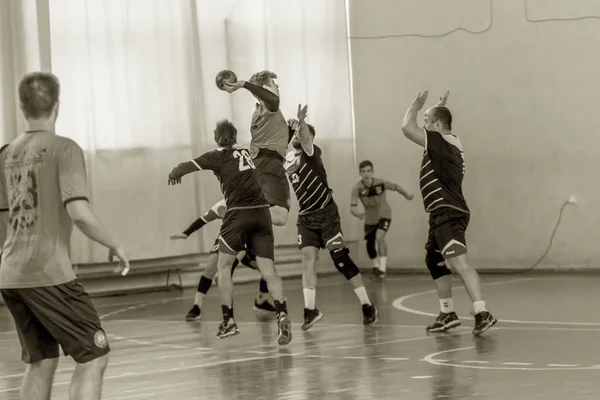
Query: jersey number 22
244 159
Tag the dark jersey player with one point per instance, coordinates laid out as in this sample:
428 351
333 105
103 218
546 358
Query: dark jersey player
371 192
217 211
441 177
247 223
319 225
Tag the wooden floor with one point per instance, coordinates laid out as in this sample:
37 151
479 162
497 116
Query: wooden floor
546 346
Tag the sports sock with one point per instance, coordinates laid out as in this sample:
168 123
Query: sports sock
479 306
227 312
446 306
309 298
382 263
375 262
264 289
362 295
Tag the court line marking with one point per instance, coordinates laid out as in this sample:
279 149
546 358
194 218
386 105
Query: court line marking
399 304
430 358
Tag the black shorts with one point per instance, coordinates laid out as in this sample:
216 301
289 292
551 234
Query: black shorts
47 317
447 229
371 230
321 229
215 248
273 181
248 228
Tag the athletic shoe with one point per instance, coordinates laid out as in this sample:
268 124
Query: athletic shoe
483 321
193 314
369 314
265 307
444 322
227 328
311 317
284 329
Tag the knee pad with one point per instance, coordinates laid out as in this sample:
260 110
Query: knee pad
344 263
436 265
371 246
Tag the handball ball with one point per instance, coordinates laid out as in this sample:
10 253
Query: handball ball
225 75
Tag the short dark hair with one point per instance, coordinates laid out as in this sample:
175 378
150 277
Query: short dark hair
38 93
443 115
311 129
365 164
225 133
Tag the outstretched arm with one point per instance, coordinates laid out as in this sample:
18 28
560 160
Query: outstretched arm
397 188
270 99
208 161
306 139
216 212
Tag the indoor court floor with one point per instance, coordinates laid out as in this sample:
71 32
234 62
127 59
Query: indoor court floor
544 346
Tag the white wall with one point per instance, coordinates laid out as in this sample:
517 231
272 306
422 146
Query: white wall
524 96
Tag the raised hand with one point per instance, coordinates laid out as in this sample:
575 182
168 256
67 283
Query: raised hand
443 99
179 236
419 102
302 112
293 123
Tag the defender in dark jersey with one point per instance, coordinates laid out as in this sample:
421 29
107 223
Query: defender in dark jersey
319 224
441 177
247 223
217 211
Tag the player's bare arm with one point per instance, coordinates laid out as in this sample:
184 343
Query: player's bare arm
216 212
410 128
354 210
306 139
443 100
397 188
270 99
86 220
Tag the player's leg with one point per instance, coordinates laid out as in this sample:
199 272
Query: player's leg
39 348
340 255
206 281
226 259
381 232
261 243
67 312
309 242
442 278
452 234
371 243
275 187
263 301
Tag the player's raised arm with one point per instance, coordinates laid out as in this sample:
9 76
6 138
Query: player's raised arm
410 128
443 100
256 87
216 212
304 135
354 204
397 188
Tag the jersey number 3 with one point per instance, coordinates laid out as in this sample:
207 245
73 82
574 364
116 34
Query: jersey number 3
244 159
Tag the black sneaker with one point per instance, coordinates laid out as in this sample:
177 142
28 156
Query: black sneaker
377 273
444 322
311 317
284 331
193 314
264 307
483 321
227 328
369 314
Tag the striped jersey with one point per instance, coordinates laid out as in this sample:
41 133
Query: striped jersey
442 172
234 169
309 180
